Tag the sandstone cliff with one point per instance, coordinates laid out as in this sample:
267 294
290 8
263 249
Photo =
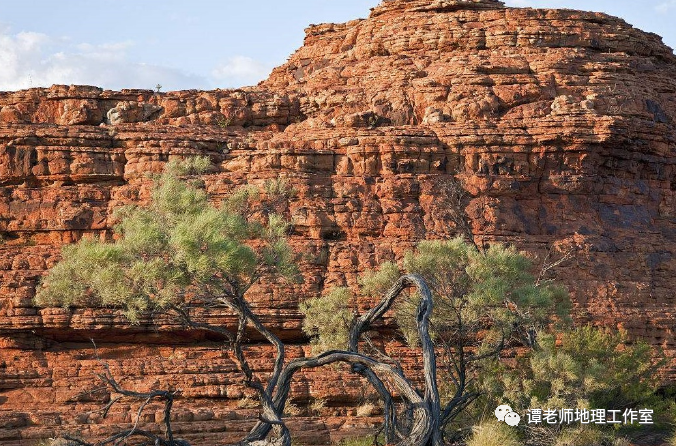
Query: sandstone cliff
558 123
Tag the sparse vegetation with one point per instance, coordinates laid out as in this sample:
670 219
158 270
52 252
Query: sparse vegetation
372 120
248 403
317 406
583 436
583 368
491 433
224 122
672 440
357 441
279 186
366 410
621 441
458 306
292 410
179 254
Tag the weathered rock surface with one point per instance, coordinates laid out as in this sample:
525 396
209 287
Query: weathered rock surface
558 123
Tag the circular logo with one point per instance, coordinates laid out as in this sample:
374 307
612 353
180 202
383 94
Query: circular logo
512 419
501 411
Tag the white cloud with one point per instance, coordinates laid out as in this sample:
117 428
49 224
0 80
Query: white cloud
239 71
665 6
30 59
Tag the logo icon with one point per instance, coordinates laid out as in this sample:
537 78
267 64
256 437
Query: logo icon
506 414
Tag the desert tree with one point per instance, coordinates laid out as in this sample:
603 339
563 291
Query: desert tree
181 254
460 307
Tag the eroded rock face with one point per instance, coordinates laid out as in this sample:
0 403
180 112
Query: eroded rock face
559 124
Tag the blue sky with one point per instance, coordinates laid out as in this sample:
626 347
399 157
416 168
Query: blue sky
200 43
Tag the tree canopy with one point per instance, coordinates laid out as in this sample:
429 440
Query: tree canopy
180 252
179 248
483 303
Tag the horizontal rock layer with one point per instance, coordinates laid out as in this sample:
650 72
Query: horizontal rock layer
559 125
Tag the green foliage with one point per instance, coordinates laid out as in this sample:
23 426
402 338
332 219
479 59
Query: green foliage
224 122
483 302
179 246
279 186
493 434
493 292
588 368
328 319
376 283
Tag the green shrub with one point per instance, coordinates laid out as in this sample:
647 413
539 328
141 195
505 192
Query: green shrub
328 319
586 368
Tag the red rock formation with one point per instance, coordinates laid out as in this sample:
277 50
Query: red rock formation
559 124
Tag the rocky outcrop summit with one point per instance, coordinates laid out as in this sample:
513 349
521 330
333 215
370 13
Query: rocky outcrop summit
558 124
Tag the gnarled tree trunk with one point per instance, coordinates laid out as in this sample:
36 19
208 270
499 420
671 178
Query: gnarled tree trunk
425 429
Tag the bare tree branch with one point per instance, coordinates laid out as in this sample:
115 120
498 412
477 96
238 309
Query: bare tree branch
162 395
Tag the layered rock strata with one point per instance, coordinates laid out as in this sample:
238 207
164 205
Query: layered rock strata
558 124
